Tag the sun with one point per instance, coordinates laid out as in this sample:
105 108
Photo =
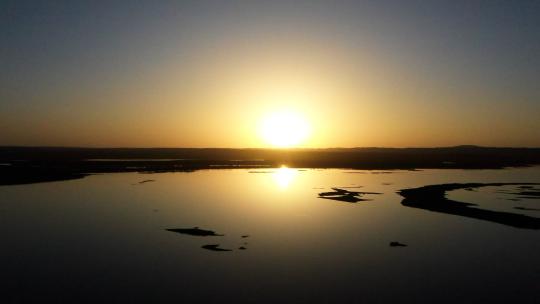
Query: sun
284 129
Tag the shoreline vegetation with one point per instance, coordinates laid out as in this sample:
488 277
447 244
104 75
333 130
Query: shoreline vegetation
23 165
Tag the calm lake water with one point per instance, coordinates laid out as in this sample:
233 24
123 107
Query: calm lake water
103 238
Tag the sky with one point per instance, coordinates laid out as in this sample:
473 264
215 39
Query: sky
209 73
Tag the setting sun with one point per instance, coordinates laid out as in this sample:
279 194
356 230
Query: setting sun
270 151
284 129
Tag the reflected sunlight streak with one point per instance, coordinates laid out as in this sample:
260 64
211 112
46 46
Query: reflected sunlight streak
284 176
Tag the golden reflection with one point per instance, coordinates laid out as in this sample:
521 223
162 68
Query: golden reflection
284 176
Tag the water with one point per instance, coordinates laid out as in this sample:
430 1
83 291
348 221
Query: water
103 238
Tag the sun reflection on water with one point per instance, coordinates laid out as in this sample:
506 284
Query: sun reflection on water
284 177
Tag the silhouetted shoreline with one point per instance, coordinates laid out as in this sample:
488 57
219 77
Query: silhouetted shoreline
343 195
433 198
22 165
195 231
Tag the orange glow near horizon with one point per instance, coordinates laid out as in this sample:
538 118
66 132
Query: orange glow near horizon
353 74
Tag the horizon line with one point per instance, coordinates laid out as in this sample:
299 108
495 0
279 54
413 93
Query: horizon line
271 148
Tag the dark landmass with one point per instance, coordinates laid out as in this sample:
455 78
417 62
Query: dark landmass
526 209
40 164
242 248
147 181
397 244
214 247
345 198
523 192
528 193
433 198
345 195
196 231
16 176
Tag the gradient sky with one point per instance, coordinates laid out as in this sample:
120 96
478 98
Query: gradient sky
205 73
